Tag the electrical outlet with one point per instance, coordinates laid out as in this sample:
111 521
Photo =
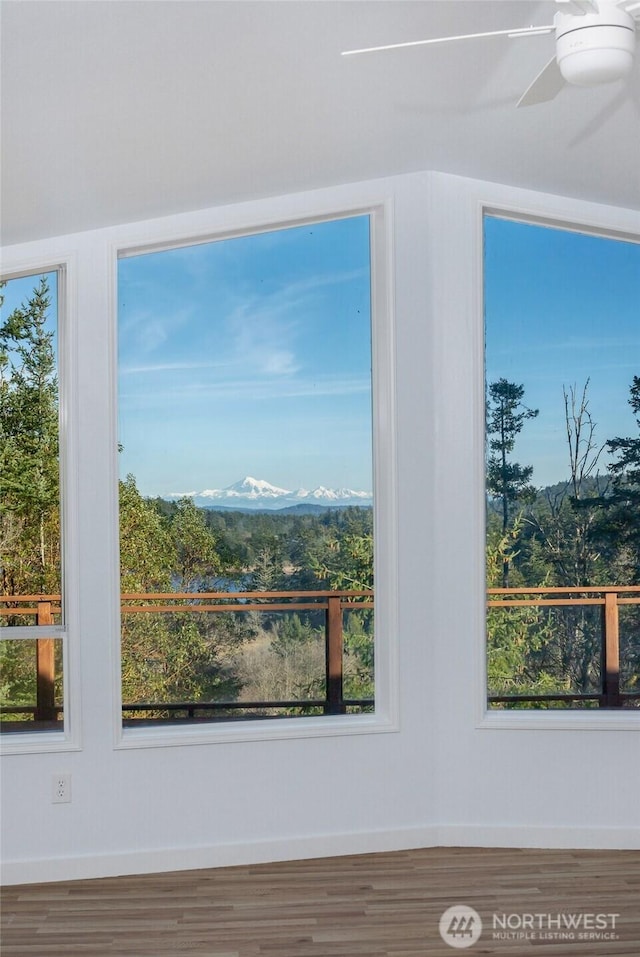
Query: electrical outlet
61 789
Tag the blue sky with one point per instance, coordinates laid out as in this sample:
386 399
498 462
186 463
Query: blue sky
248 356
252 355
560 308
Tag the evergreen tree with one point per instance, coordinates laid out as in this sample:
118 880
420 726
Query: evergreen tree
29 447
507 481
346 562
622 523
29 478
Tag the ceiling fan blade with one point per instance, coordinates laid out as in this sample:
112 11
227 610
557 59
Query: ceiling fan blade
546 85
521 32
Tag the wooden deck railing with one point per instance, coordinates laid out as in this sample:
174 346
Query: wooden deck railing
42 609
45 610
609 598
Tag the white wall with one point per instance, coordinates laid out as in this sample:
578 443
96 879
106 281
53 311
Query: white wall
442 777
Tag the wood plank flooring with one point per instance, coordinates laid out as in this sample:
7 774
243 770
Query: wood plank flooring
374 905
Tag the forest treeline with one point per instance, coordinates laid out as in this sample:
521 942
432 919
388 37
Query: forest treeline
254 656
286 548
584 531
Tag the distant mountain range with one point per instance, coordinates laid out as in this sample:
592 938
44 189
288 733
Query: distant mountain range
258 494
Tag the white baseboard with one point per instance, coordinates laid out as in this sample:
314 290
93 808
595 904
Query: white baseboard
324 845
554 837
226 855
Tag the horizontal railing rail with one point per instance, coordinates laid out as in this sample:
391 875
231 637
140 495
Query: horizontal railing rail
46 608
609 598
333 603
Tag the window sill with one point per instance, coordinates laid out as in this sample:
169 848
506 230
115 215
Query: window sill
36 742
595 720
259 730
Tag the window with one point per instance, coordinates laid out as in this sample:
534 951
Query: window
563 467
32 630
246 463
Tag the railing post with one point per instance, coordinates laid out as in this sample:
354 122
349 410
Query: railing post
610 697
333 646
45 668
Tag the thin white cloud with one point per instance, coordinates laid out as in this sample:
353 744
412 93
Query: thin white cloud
582 343
146 330
153 367
280 362
305 286
263 329
262 334
255 389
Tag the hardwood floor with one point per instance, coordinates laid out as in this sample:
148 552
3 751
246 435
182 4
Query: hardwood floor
374 905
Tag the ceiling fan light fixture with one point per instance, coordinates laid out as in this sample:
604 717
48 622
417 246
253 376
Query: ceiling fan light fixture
590 51
591 67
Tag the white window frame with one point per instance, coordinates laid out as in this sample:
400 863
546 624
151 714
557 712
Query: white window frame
385 716
543 719
67 738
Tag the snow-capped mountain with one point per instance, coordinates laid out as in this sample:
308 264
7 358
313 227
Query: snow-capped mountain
256 493
247 488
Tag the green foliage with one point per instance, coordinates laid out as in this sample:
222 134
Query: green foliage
29 477
359 648
626 469
147 552
174 657
582 532
267 572
621 521
347 562
508 482
564 525
516 635
506 415
29 448
171 657
265 656
17 667
197 559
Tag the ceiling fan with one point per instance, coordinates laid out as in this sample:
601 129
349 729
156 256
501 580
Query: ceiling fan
595 43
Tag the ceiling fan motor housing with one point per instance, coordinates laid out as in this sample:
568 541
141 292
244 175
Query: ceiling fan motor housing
595 48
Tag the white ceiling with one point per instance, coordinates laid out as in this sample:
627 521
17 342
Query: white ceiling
118 110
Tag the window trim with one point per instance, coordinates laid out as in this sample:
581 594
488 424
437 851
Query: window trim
69 737
386 716
542 719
